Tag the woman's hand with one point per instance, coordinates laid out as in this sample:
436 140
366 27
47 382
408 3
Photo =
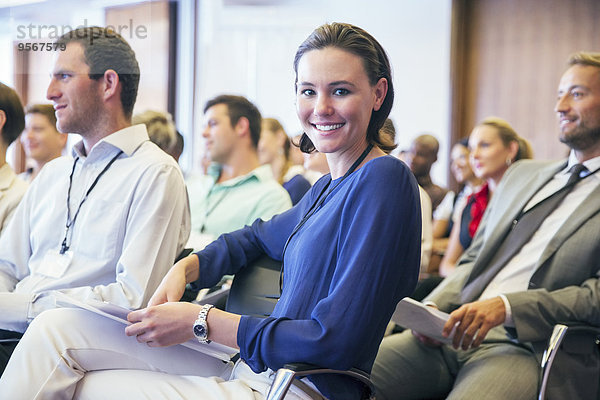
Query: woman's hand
172 286
173 323
163 325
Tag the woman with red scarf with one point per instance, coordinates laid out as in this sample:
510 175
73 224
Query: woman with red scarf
494 146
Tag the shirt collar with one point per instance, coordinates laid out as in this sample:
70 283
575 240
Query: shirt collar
592 164
127 139
262 173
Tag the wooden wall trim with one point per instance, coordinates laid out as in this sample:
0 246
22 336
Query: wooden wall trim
21 79
459 45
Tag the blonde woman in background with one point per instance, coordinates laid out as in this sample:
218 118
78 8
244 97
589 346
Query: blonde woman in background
494 146
160 127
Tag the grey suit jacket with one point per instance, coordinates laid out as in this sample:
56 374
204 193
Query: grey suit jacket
564 287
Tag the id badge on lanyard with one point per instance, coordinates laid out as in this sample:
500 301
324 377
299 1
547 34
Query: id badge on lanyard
55 263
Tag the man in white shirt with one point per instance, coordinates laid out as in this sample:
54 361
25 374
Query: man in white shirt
504 308
107 222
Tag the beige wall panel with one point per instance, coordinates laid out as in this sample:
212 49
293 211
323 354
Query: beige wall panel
514 55
150 41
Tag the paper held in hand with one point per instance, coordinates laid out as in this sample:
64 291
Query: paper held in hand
428 321
119 314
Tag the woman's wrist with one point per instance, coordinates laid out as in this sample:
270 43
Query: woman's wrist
191 268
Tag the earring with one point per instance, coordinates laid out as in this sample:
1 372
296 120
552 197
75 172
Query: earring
508 161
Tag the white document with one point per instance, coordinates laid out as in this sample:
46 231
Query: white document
429 321
119 314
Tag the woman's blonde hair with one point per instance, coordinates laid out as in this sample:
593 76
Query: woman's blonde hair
160 126
507 135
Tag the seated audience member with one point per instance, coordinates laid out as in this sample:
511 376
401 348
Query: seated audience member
12 121
493 146
106 223
41 141
237 189
160 127
420 158
450 209
533 263
274 150
342 234
388 130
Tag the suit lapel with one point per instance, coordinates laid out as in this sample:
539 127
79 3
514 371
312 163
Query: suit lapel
510 203
585 211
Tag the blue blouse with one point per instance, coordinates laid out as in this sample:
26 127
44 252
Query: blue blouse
345 271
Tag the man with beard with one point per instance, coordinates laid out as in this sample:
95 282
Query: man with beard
533 263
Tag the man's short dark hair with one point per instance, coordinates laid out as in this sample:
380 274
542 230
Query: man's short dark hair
11 104
105 49
237 107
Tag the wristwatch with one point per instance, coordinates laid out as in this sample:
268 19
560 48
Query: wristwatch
200 327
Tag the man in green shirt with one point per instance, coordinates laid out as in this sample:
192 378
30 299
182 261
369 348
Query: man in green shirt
237 189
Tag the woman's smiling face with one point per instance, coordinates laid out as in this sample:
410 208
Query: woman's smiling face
334 100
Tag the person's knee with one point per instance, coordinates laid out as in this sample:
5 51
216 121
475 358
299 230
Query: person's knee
57 317
406 369
498 372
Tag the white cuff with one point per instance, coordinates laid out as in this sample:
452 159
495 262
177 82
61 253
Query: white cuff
14 309
508 320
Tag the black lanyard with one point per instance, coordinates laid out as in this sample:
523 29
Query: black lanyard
70 222
315 206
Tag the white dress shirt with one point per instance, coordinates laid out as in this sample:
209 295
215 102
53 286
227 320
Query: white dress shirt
127 234
12 190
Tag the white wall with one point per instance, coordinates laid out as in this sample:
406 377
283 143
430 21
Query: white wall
249 50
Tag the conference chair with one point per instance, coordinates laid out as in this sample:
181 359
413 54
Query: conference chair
255 291
571 364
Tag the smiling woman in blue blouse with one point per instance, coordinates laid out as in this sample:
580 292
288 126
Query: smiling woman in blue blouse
350 251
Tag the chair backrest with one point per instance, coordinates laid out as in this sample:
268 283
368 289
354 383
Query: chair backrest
255 291
184 253
255 288
571 364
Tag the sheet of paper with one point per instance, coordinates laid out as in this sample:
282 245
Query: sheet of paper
119 314
412 314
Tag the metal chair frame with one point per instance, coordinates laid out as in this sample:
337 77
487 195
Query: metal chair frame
559 334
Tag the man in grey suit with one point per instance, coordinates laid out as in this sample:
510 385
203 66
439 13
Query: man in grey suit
504 311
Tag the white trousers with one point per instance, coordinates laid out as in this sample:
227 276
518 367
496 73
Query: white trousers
75 354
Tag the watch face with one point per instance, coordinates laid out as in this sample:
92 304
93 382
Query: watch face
199 330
